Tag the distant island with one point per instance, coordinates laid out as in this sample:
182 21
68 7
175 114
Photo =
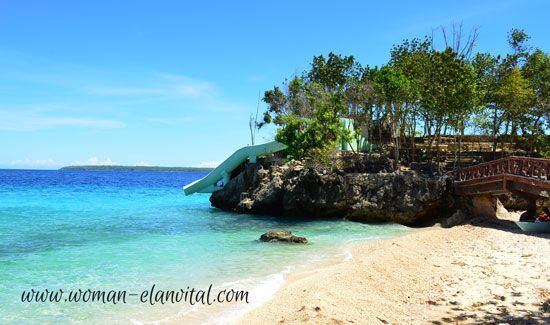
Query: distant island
138 168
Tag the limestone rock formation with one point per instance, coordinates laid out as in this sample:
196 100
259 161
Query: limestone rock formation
380 194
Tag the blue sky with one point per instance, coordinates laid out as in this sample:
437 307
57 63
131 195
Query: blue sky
173 84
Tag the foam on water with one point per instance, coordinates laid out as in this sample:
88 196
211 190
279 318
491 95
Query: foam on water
130 230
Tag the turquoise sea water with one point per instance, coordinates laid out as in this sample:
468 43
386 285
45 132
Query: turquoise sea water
109 230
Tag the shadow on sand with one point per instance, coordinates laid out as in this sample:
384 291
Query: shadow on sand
504 225
482 315
484 312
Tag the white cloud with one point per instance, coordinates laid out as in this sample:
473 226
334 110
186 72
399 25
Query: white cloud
209 164
34 162
94 161
31 120
192 90
142 164
167 86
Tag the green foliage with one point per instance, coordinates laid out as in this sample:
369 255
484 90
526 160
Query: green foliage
486 67
276 100
308 111
335 72
537 71
312 136
420 87
450 89
542 144
293 135
392 85
517 39
515 95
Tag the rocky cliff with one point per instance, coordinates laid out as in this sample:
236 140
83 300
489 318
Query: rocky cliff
368 189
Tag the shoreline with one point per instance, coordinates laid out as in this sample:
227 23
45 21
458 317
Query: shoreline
274 282
487 272
265 288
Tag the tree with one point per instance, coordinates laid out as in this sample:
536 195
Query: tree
422 89
537 71
488 69
394 90
314 136
515 96
412 58
334 73
517 39
308 111
448 92
456 41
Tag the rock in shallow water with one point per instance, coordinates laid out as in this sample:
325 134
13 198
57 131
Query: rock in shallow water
282 235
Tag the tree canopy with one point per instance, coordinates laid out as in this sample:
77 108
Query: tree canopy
422 90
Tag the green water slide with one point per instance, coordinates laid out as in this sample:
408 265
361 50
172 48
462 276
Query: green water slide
359 143
209 183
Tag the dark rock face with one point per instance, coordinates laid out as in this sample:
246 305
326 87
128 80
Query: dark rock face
511 201
366 163
282 236
405 197
456 219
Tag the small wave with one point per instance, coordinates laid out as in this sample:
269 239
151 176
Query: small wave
262 291
347 256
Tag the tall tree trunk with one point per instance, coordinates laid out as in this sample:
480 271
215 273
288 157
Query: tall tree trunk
438 133
496 127
503 138
413 134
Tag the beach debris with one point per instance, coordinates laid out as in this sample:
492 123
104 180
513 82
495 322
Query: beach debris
283 236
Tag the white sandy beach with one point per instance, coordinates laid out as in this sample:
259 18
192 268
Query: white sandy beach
472 273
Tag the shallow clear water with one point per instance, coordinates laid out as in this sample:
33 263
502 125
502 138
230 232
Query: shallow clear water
107 230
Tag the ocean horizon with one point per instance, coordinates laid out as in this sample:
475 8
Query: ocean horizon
130 230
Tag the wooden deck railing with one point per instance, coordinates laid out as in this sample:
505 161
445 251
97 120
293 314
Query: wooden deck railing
538 168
